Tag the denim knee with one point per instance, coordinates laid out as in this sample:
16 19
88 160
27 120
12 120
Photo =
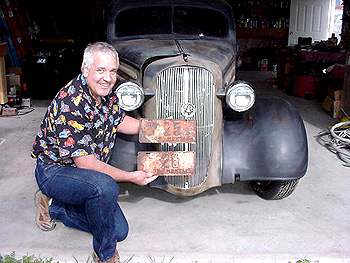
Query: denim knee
123 231
124 235
108 188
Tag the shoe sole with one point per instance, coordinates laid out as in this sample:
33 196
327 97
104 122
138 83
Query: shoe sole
96 259
37 215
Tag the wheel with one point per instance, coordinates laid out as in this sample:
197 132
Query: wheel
341 131
274 190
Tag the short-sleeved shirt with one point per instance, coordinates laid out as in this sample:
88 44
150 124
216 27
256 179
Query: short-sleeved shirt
75 124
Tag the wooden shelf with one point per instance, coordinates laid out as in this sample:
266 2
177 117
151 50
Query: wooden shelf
3 84
261 33
3 49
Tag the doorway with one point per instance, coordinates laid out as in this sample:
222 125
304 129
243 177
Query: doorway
317 19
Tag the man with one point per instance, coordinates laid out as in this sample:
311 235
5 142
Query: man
72 150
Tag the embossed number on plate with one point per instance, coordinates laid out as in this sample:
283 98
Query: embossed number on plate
167 131
167 163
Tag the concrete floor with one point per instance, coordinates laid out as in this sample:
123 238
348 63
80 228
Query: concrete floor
226 224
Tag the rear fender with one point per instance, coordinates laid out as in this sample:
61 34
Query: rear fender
268 142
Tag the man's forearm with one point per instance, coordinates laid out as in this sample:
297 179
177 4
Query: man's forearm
129 125
90 162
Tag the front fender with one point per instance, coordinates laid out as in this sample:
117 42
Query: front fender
268 142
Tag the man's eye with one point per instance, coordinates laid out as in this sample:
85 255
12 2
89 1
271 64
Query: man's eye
100 71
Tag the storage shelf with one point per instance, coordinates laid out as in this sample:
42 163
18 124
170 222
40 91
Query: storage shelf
261 33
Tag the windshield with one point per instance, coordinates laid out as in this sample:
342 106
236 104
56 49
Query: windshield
165 20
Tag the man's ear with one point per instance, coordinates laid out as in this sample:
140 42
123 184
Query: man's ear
85 72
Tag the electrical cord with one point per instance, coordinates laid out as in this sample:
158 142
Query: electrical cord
338 140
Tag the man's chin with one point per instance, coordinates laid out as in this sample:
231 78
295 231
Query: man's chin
104 92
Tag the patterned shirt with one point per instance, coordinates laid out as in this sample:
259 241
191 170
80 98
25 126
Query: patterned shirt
75 124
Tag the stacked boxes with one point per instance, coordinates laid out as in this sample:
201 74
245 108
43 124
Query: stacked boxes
332 103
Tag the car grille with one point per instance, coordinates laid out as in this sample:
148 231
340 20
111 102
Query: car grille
182 86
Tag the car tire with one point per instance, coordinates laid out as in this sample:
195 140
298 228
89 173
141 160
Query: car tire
274 190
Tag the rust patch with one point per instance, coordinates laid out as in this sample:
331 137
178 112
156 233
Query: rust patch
167 131
174 163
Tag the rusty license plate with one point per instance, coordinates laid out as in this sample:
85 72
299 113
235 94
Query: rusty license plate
172 163
167 131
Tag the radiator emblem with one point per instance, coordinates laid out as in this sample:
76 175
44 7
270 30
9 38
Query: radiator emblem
188 110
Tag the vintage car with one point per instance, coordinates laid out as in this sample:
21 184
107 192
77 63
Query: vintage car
178 60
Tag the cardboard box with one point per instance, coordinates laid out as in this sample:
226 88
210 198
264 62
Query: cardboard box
334 94
14 76
333 107
16 71
26 102
9 111
13 80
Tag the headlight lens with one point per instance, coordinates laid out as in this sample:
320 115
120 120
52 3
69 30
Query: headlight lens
130 95
240 96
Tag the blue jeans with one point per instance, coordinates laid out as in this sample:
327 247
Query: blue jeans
86 200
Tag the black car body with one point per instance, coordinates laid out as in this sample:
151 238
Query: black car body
182 54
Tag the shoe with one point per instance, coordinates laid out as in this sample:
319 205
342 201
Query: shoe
43 219
114 259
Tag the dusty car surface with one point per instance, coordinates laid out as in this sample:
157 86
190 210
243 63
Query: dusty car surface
177 60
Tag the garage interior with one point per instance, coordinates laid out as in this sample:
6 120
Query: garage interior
41 51
42 42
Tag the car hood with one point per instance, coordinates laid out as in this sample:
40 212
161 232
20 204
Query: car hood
141 52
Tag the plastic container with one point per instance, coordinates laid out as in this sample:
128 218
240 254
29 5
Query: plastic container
306 86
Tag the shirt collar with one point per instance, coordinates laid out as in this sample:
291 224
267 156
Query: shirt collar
91 97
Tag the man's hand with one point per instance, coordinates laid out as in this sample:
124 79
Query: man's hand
90 162
142 178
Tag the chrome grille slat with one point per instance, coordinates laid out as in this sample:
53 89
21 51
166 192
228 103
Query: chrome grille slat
176 86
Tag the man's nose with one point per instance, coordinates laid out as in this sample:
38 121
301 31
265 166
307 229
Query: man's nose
107 76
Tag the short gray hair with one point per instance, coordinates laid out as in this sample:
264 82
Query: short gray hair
102 47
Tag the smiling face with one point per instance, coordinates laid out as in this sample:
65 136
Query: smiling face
102 74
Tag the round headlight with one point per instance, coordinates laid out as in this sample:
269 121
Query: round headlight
240 96
130 95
